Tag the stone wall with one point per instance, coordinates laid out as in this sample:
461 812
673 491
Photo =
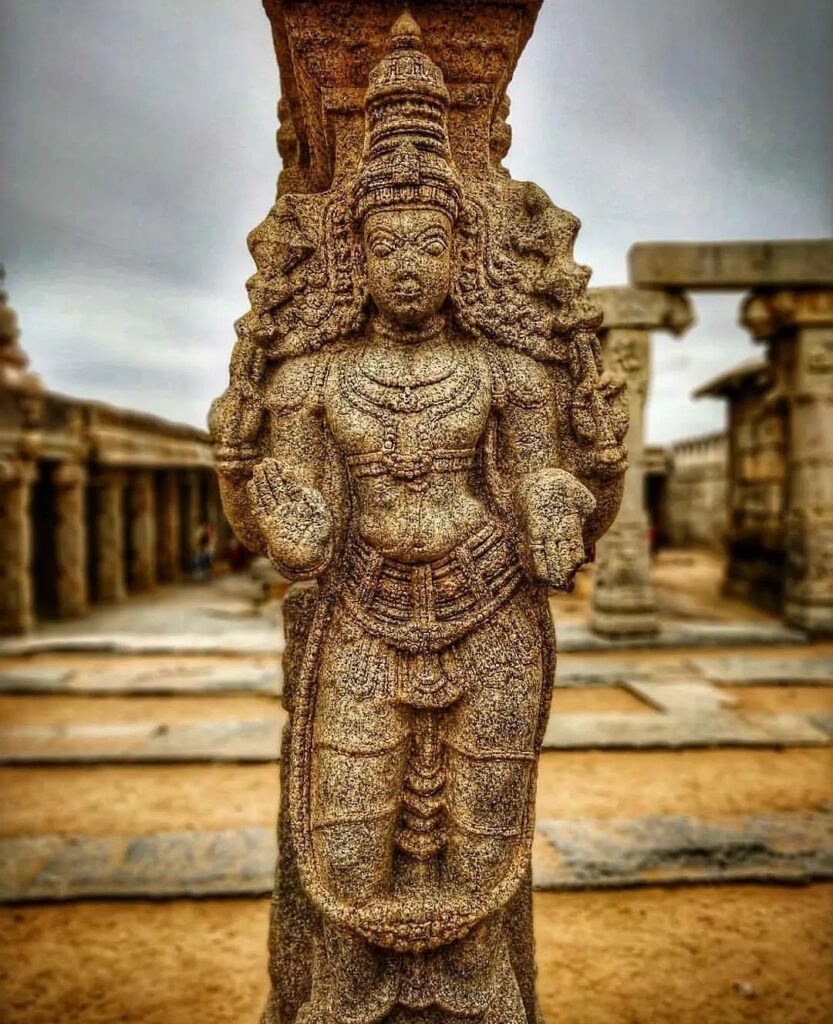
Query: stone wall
695 507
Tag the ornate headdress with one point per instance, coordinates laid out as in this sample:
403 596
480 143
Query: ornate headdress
407 155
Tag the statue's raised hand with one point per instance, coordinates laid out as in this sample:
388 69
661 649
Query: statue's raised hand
554 506
294 519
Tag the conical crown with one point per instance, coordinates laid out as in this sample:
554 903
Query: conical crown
407 155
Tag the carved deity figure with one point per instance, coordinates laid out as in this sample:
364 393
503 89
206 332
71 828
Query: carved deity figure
417 420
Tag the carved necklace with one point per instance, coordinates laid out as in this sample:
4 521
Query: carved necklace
387 402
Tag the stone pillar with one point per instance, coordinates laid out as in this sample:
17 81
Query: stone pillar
16 594
623 596
69 481
169 527
110 567
624 603
142 511
798 328
190 516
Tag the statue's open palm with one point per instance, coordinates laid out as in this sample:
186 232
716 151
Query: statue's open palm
294 519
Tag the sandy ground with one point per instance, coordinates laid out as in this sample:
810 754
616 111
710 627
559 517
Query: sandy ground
681 956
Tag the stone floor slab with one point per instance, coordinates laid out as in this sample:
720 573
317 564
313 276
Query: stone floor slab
235 677
804 670
785 847
615 730
576 673
577 636
251 740
36 680
580 854
681 697
266 641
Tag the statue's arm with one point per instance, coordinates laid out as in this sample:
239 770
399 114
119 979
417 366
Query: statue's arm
553 506
277 506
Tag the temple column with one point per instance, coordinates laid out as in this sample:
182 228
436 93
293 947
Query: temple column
69 481
16 592
190 517
624 602
110 569
169 526
142 511
798 329
623 596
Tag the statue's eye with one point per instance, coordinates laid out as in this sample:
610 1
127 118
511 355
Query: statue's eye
381 248
434 246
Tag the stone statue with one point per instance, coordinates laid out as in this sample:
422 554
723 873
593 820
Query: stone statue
418 420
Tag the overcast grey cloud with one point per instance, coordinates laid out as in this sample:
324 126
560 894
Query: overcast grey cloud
137 150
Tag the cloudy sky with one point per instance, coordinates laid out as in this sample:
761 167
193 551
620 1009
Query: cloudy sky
137 150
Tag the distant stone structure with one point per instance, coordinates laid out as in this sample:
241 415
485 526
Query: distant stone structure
95 502
695 509
756 492
780 529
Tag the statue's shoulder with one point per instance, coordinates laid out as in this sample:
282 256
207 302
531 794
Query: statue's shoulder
517 379
298 383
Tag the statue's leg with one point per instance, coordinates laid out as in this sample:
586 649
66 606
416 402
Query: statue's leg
360 741
490 750
490 741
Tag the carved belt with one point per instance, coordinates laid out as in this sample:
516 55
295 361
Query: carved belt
401 466
428 606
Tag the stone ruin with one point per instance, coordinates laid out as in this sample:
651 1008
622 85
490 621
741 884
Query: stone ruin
779 518
95 501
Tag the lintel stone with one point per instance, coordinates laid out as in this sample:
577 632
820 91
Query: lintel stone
732 266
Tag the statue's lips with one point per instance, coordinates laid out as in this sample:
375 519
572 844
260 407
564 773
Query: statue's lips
407 292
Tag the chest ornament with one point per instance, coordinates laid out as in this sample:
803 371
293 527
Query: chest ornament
429 401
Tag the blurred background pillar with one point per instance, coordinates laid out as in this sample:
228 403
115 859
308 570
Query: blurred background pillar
797 326
169 547
71 594
109 564
624 603
142 529
16 591
190 516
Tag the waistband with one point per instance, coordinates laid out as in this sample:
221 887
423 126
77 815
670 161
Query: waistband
427 606
391 462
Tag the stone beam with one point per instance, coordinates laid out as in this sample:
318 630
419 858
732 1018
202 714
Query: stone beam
650 309
732 266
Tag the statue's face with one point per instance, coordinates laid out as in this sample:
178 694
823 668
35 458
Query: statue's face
408 262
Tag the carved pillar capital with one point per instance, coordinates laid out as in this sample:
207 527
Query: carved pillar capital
106 477
651 309
769 313
14 472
